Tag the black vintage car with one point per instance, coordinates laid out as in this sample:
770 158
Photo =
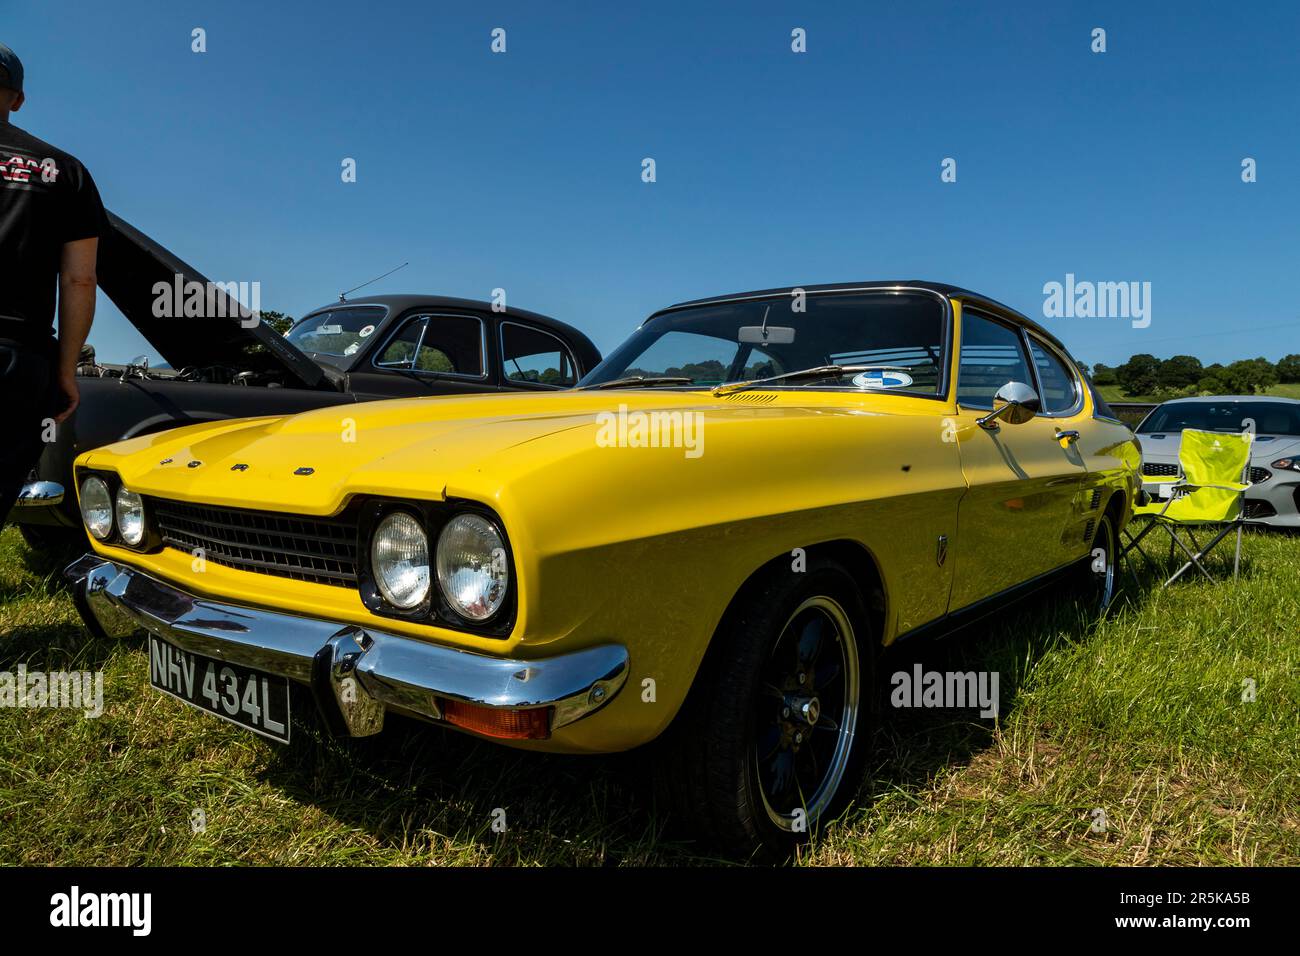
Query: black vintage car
383 346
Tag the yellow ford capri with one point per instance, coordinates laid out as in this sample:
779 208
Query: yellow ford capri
705 545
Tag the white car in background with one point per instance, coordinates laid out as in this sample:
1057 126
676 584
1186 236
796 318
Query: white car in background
1274 496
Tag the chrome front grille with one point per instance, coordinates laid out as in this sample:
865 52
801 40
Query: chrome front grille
1158 470
321 550
1259 509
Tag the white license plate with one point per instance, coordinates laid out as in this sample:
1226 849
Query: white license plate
1165 491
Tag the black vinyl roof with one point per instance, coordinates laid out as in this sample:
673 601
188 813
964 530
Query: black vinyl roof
943 288
404 302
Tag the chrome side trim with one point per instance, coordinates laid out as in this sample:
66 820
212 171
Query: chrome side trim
364 671
39 494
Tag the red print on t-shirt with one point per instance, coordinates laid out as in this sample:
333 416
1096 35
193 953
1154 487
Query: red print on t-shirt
18 169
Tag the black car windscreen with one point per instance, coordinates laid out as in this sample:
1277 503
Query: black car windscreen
1270 418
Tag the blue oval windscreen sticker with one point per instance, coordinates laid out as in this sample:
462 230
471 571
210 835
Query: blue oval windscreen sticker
882 378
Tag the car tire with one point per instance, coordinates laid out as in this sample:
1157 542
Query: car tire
53 541
1099 575
756 761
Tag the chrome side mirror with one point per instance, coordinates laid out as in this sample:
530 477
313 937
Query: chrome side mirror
138 367
1015 403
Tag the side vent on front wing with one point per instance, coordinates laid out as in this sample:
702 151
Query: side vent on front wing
1096 499
1089 530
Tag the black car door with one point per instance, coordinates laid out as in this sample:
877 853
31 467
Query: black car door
427 353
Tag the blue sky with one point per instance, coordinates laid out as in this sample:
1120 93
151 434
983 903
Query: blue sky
523 170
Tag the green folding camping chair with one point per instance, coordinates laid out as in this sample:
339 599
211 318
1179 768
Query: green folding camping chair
1211 492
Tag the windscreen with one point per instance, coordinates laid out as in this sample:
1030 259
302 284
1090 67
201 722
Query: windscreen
897 336
1270 418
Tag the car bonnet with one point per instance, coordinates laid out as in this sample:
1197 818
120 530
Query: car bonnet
130 267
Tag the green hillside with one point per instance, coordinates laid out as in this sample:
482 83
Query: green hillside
1113 393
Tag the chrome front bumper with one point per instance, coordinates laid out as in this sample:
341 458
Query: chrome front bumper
356 674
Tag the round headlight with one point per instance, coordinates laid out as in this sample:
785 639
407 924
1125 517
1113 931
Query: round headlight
96 507
399 558
130 516
472 567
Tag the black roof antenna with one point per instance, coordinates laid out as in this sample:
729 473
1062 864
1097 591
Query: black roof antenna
343 296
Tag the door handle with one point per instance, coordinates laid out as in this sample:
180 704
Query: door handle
1070 436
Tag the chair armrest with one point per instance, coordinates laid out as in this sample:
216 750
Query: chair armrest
1229 486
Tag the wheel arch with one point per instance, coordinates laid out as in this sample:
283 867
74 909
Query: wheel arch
1119 508
702 769
855 558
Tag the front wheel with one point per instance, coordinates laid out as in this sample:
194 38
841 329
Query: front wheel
1099 578
53 540
771 741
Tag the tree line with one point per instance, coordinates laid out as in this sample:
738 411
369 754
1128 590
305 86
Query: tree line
1184 375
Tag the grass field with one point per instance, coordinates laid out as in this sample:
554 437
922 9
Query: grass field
1140 716
1113 393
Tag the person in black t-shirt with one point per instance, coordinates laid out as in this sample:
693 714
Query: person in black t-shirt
51 219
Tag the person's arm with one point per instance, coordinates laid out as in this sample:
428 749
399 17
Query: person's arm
76 312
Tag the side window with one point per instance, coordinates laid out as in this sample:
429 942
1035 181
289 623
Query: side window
433 359
1100 408
453 345
401 348
992 354
759 364
1059 390
537 357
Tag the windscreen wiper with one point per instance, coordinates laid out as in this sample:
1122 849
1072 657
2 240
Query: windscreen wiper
816 372
640 381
